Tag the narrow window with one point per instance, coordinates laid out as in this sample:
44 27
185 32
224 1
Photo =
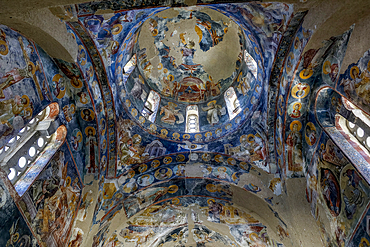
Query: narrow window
130 65
232 103
151 106
192 119
251 63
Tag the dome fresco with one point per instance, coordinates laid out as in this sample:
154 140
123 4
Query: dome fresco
189 55
190 59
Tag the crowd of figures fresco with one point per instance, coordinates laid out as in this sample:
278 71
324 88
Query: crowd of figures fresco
155 139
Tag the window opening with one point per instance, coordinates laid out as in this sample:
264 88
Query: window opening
130 65
151 106
356 122
192 119
251 63
232 103
23 149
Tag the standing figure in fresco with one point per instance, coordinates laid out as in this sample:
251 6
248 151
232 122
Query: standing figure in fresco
213 112
91 149
353 196
331 191
170 113
294 142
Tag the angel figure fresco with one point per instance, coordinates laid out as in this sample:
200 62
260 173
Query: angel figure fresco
213 112
294 142
170 113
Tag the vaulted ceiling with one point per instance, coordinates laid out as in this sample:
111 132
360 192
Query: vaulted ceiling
197 119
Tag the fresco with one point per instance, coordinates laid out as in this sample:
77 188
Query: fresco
51 202
14 229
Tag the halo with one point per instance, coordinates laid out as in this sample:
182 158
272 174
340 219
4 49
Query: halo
90 128
2 42
326 64
213 101
160 66
119 29
211 200
91 114
170 77
155 163
297 103
249 138
27 99
167 160
235 176
296 122
143 167
155 32
79 134
173 189
208 133
68 181
295 90
16 237
211 187
354 68
295 44
175 201
120 58
186 136
79 85
301 74
222 168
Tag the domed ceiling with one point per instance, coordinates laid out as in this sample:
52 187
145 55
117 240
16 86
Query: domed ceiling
194 77
190 56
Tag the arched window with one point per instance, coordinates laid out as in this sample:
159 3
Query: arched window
130 65
151 106
251 63
232 103
192 119
32 147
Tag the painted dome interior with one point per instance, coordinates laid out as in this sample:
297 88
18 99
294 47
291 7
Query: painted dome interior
182 123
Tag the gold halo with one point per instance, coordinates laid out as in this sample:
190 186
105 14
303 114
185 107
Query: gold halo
211 187
224 169
119 29
79 85
180 157
208 133
170 77
249 138
33 67
295 89
143 168
295 46
2 42
68 181
186 136
231 161
134 112
128 102
155 32
28 109
235 176
175 201
90 128
213 101
301 74
173 189
131 174
167 160
27 99
351 71
297 103
327 63
296 122
16 237
155 163
79 134
160 66
210 200
92 114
